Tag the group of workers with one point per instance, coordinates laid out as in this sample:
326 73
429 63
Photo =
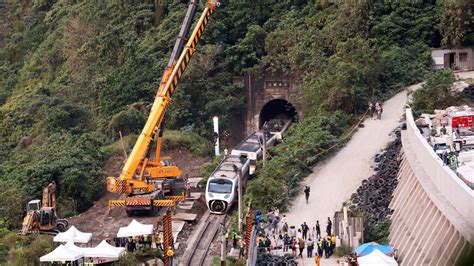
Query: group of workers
302 238
237 242
274 232
375 110
132 243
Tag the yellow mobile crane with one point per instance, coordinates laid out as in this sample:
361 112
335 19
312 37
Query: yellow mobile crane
147 177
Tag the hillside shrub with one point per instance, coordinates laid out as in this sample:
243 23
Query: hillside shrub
196 144
436 93
127 122
21 250
378 233
127 259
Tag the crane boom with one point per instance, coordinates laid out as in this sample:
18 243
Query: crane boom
182 36
128 179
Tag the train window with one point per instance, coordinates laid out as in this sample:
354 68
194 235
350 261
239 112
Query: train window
222 186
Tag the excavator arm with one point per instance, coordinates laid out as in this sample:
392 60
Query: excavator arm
49 195
132 175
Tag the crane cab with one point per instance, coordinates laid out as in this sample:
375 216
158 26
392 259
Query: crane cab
46 215
47 218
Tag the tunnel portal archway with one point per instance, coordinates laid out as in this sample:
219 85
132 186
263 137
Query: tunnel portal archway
277 108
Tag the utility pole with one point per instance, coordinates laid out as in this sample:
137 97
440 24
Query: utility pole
264 143
215 121
239 190
223 245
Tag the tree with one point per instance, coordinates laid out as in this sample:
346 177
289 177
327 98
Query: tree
436 93
12 204
457 23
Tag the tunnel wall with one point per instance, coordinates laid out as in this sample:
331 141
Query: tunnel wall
432 223
261 89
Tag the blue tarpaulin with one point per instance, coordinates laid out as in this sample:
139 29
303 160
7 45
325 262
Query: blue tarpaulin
367 248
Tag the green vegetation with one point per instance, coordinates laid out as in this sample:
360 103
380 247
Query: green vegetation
347 54
304 144
24 250
127 259
342 250
196 144
378 232
229 261
436 93
75 73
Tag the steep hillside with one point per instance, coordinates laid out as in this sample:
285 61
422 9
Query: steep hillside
74 73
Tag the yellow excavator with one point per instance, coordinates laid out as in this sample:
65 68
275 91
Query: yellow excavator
148 180
41 217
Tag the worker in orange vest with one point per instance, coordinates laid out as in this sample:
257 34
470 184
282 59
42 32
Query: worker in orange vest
318 260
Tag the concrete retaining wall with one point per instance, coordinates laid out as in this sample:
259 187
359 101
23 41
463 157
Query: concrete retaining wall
433 222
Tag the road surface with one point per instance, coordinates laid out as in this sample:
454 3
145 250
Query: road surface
335 179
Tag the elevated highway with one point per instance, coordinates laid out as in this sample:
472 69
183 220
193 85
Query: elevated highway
433 221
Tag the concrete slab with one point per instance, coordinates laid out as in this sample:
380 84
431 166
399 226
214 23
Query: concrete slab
155 262
175 236
186 205
195 195
177 226
189 217
234 252
194 181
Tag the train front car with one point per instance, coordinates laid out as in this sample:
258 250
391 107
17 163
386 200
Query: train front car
221 189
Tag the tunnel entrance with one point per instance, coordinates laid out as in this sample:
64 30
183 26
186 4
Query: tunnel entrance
277 108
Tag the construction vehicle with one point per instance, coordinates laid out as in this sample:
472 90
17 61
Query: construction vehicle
41 216
148 180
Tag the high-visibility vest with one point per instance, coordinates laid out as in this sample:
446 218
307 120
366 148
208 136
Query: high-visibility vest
169 252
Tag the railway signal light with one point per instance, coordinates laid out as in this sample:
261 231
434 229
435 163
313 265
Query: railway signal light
215 137
225 136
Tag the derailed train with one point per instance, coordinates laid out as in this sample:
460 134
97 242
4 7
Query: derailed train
221 188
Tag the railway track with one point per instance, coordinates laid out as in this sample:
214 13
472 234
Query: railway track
199 250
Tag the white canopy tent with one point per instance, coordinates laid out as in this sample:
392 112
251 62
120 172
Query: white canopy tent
102 253
105 250
73 235
376 258
135 229
61 253
70 245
